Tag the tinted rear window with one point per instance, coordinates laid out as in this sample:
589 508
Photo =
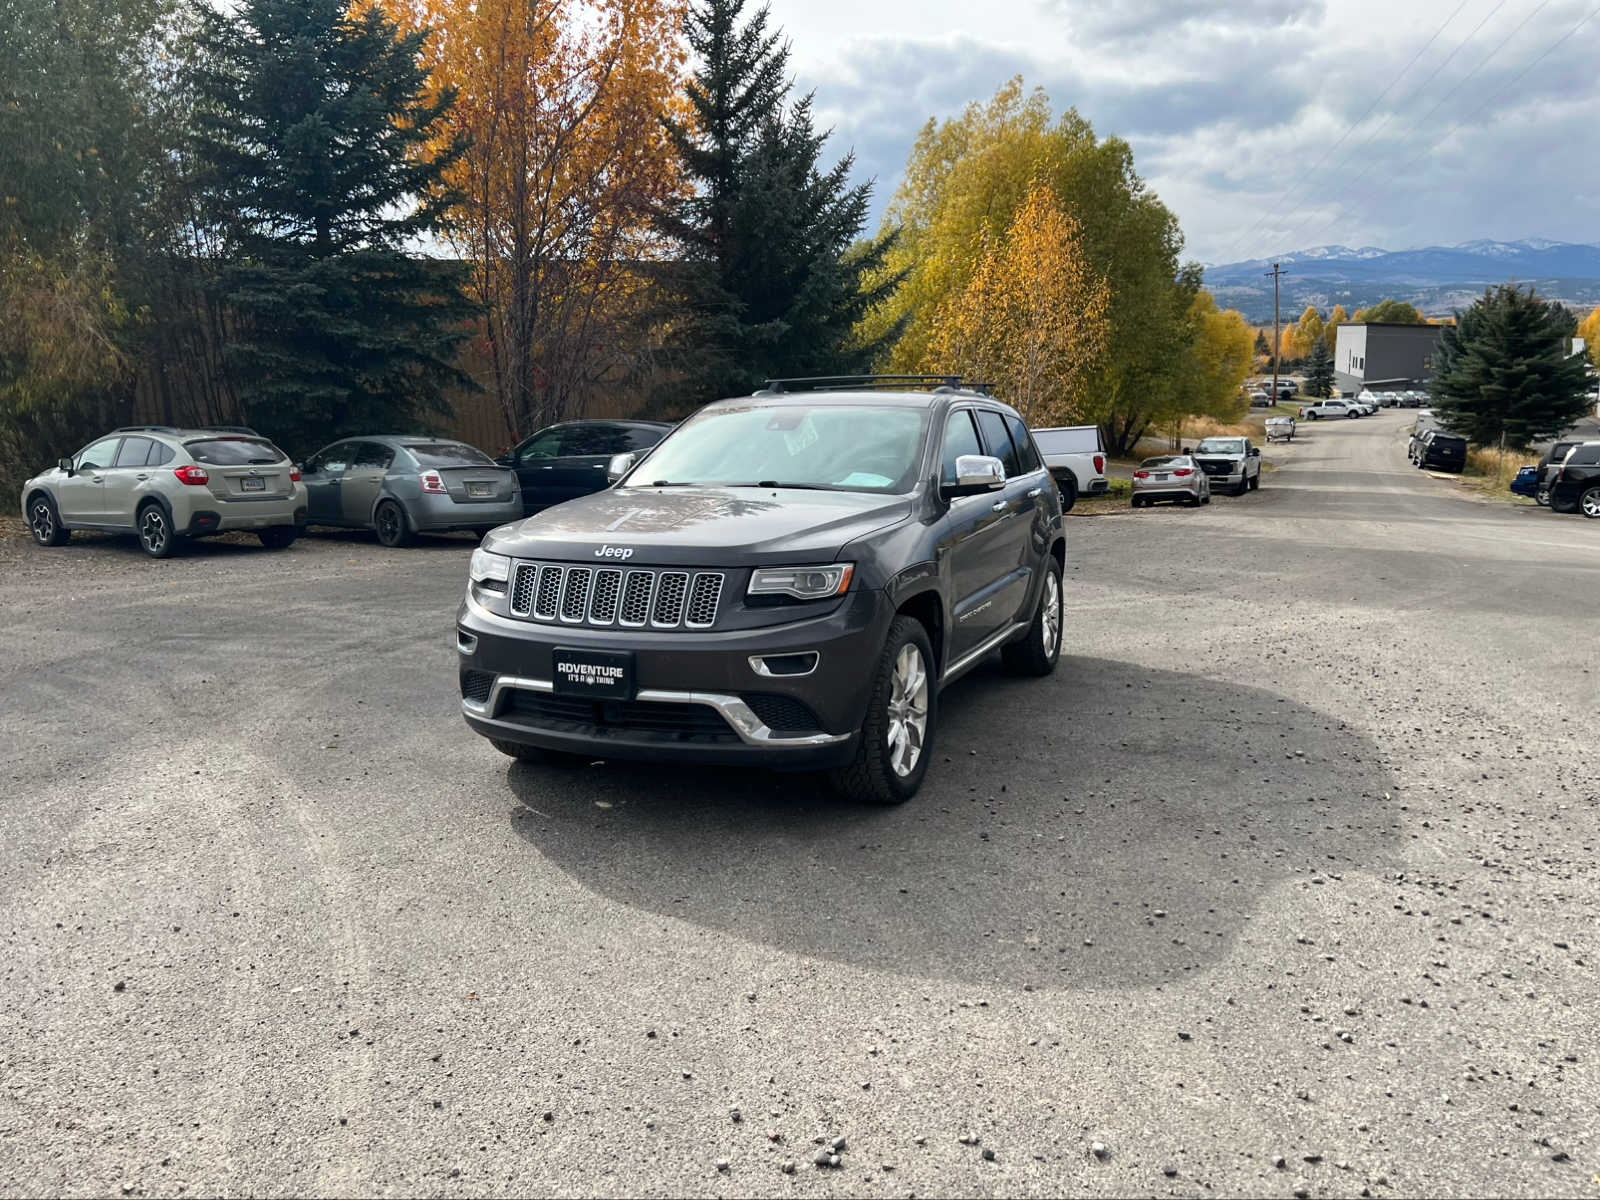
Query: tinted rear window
234 452
447 454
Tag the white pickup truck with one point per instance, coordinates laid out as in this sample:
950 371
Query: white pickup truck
1327 408
1077 461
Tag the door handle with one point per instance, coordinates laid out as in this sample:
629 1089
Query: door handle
143 477
1000 506
1035 493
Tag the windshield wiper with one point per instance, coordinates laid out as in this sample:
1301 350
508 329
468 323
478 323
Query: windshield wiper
774 483
673 483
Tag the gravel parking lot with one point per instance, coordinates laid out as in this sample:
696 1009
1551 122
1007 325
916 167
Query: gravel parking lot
1283 884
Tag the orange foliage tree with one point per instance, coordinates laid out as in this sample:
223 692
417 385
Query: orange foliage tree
561 102
1033 318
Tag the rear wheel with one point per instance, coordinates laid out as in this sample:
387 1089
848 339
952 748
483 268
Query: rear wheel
1068 487
45 523
155 531
1589 503
1542 495
1037 652
390 521
896 738
279 537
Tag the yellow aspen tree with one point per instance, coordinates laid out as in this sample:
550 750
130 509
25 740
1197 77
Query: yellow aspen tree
1589 331
1032 320
561 104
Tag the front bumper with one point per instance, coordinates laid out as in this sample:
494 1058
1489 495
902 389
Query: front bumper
698 697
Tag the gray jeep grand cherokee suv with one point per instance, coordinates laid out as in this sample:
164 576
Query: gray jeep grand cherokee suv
787 580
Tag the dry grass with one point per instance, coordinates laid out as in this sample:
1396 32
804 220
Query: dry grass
1489 472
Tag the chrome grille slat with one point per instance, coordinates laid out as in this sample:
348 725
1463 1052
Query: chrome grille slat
633 598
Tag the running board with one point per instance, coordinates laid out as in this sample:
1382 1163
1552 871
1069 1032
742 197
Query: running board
972 657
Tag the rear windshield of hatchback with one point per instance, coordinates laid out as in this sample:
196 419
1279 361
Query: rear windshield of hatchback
234 452
447 454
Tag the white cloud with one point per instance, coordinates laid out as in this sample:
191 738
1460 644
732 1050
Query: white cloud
1229 106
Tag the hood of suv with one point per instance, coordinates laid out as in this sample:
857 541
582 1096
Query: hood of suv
693 526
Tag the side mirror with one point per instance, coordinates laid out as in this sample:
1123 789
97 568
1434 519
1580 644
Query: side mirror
620 465
1186 450
1255 451
64 464
976 473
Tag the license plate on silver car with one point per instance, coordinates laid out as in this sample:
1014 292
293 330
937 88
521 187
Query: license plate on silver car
1162 475
253 483
479 489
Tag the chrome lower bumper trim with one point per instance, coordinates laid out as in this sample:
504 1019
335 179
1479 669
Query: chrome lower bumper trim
734 711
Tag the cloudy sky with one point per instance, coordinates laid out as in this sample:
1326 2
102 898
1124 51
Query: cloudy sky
1471 118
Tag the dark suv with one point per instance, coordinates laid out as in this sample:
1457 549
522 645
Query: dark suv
1438 449
562 462
788 580
1576 486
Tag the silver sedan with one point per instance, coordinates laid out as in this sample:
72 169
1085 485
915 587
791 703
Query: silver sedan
1175 477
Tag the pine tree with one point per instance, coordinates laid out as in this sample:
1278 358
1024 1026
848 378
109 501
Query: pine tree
1263 347
1503 371
1319 370
313 124
770 279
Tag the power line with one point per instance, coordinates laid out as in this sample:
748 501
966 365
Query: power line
1351 128
1349 188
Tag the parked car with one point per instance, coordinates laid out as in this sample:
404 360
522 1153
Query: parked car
1076 458
1287 392
1527 484
1229 462
1258 399
787 581
1549 465
165 484
1328 409
1175 477
1576 486
1437 450
404 485
565 461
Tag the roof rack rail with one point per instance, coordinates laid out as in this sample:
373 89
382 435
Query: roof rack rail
145 429
882 383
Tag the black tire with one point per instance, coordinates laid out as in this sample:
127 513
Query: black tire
1541 495
538 754
872 777
394 528
1255 482
1038 650
156 535
279 537
1207 499
1352 414
44 522
1138 503
1244 486
1068 487
1589 503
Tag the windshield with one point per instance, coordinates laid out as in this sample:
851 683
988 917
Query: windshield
848 448
447 454
234 452
1221 446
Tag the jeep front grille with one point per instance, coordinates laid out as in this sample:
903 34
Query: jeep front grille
632 597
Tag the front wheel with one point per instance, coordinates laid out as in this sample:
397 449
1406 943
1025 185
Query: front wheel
390 522
1542 495
896 738
45 524
1038 651
1255 482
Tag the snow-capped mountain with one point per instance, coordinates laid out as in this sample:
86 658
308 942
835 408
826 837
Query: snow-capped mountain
1435 278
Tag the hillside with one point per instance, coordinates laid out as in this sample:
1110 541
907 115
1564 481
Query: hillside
1436 279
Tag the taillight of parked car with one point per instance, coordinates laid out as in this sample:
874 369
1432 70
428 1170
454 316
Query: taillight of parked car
294 473
1099 464
433 483
193 476
1182 471
1141 474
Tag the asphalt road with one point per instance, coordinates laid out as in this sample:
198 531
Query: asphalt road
1293 858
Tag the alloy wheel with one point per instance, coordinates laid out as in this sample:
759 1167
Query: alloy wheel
908 710
1590 503
389 524
42 521
1050 618
153 530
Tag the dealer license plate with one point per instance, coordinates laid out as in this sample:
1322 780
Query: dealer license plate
253 483
596 674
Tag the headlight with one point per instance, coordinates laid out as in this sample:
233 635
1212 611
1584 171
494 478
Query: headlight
803 583
490 568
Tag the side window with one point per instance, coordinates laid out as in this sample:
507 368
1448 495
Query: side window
543 445
134 452
372 455
99 456
642 438
1584 456
593 438
1026 454
959 438
333 460
160 455
998 441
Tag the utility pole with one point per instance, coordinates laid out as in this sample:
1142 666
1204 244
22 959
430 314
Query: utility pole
1276 273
